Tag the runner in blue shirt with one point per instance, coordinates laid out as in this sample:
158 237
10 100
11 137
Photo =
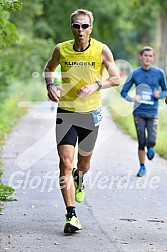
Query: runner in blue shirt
150 83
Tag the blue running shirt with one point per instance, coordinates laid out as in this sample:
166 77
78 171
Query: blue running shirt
146 81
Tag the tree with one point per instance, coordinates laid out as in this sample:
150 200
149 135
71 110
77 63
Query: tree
8 29
150 18
161 55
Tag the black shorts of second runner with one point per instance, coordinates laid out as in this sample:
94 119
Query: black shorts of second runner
146 128
72 127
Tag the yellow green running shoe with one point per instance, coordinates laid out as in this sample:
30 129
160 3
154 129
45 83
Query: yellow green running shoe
72 225
79 189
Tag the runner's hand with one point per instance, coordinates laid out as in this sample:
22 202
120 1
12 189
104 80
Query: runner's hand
156 94
137 98
54 93
87 90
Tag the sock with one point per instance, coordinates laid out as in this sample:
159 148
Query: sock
141 164
78 178
70 211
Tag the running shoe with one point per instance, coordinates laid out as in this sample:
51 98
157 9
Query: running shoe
142 171
150 153
72 225
79 189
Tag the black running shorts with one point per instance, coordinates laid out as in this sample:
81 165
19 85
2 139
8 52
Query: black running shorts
73 126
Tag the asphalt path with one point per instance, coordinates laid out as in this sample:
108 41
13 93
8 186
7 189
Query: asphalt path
121 212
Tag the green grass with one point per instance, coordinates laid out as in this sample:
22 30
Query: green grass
10 115
122 114
10 111
6 192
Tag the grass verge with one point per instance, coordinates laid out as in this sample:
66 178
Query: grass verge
10 115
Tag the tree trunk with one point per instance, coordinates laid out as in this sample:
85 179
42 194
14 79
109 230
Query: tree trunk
161 54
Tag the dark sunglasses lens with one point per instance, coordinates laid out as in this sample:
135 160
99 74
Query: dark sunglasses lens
76 26
85 26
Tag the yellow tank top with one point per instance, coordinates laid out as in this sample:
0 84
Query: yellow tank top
79 69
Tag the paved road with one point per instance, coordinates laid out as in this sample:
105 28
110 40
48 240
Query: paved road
121 212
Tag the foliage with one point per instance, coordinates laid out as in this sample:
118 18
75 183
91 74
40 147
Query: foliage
32 55
107 26
7 30
6 192
9 106
29 16
124 25
11 5
8 36
121 24
8 33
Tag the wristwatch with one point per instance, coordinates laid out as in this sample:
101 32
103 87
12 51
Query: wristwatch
50 84
99 85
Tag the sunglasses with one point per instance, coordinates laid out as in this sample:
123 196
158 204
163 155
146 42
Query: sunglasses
79 26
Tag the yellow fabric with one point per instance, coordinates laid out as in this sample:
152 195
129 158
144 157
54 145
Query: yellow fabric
79 69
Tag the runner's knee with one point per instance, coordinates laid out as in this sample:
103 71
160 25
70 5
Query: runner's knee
66 166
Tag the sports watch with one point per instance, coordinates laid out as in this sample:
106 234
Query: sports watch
99 85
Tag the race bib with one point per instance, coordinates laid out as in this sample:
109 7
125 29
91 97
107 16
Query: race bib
97 116
147 97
